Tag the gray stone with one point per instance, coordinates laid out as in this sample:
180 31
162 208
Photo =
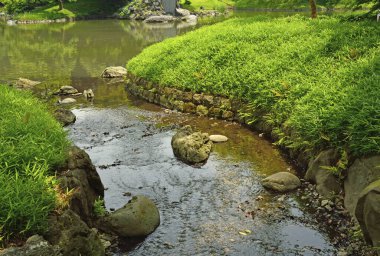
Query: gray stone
327 183
64 116
281 182
361 173
80 175
112 72
35 246
67 101
139 217
73 236
190 146
192 19
88 94
159 19
218 138
202 110
66 90
24 83
182 12
367 213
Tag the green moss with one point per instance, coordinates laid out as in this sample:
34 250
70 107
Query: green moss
317 80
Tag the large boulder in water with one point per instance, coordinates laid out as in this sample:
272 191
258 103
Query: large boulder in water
367 212
190 146
281 182
138 218
112 72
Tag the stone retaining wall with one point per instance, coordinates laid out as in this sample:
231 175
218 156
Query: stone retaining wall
195 103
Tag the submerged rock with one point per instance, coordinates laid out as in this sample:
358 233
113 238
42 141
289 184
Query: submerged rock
65 116
367 212
191 147
139 217
281 182
218 138
112 72
327 182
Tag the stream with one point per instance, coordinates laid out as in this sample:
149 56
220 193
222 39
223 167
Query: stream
217 209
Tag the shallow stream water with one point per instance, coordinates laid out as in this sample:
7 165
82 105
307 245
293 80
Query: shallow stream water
217 209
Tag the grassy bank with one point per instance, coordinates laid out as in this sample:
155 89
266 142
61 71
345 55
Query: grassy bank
79 9
31 144
196 5
315 83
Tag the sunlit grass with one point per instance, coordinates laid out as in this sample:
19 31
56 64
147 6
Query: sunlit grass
32 143
316 81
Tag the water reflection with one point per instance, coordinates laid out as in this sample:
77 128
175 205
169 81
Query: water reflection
65 54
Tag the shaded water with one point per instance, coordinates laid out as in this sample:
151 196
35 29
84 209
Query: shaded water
202 209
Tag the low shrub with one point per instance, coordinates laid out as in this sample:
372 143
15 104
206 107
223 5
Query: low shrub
317 81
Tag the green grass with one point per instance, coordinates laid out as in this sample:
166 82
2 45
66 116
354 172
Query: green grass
315 83
81 8
32 143
269 4
220 5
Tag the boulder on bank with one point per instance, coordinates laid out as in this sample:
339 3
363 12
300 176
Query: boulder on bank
112 72
80 175
190 146
66 90
182 12
139 217
360 174
64 116
218 138
281 182
367 213
160 19
73 236
23 83
327 183
35 246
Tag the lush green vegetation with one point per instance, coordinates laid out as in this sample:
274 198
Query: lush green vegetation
316 83
196 5
31 143
40 10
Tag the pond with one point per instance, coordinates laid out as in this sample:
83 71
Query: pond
217 209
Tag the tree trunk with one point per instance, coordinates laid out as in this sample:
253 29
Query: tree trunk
60 5
313 7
